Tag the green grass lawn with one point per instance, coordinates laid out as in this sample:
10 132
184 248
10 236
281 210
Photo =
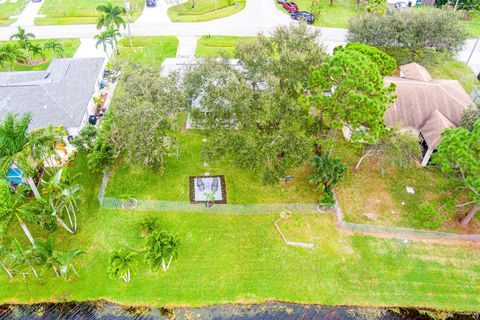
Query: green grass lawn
204 10
241 258
80 12
216 45
243 187
149 50
70 46
334 16
456 70
473 26
10 8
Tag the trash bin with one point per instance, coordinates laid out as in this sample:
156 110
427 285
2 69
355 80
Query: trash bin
92 120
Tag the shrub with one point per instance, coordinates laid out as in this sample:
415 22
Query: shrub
148 225
328 172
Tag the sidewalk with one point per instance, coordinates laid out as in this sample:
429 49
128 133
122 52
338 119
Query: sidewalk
28 15
186 47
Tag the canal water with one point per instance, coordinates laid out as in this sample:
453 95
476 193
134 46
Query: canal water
266 311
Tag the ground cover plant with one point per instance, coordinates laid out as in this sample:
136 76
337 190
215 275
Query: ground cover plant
10 8
80 12
41 62
336 15
204 10
218 45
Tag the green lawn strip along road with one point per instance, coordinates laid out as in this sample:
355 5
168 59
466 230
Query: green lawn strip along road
205 10
217 45
10 8
149 50
80 12
70 46
334 16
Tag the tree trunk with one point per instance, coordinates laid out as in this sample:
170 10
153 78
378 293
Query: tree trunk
193 4
69 216
34 271
32 185
6 270
56 271
74 217
164 267
74 271
169 262
466 220
26 231
63 224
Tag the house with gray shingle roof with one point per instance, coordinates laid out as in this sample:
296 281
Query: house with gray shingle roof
425 106
60 95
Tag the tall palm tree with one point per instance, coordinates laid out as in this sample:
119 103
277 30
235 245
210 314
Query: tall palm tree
23 38
46 254
122 263
21 256
15 204
103 38
65 261
114 34
55 46
4 252
53 189
110 16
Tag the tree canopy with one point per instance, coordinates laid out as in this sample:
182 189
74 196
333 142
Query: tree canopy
411 29
458 154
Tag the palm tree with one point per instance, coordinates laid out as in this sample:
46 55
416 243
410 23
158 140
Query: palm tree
23 38
16 205
55 46
46 254
36 50
53 189
122 264
113 33
161 246
103 38
171 246
110 16
65 261
4 253
22 256
9 55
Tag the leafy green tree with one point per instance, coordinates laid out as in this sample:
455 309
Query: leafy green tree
470 116
400 150
55 46
347 92
143 124
458 154
408 29
24 42
121 265
101 156
328 172
385 63
110 16
377 6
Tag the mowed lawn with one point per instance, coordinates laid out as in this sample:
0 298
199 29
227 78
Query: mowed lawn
204 10
10 8
70 46
473 25
218 45
242 186
241 258
80 12
455 70
149 50
335 15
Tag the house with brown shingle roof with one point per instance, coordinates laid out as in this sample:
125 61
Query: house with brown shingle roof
425 106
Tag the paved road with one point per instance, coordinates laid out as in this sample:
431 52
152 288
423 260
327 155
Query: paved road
259 16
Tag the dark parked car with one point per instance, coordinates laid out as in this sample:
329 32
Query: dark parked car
151 3
303 16
290 6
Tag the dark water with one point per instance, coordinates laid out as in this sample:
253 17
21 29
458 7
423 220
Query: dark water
267 311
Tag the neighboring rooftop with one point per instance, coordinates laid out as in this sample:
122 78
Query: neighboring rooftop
57 96
424 104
